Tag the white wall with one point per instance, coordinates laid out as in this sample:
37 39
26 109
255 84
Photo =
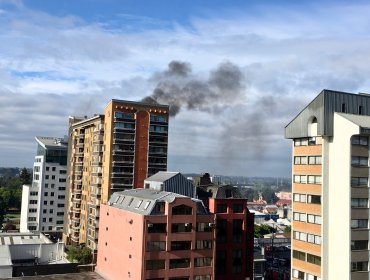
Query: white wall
336 258
24 209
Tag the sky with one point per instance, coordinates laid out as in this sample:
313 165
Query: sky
248 68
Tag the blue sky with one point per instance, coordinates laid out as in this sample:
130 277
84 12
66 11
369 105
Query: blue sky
62 58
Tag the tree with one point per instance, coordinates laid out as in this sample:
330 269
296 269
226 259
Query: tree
261 230
25 176
288 229
4 202
79 255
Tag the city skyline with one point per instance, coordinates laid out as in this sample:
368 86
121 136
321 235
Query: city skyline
58 60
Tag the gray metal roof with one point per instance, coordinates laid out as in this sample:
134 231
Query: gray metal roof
360 120
52 142
162 176
142 201
322 108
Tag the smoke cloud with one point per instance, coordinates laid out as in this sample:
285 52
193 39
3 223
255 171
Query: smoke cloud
179 87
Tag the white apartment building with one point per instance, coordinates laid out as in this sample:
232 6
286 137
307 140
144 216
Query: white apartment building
331 187
43 202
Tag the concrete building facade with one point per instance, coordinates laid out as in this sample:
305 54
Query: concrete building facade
43 202
330 187
109 153
149 234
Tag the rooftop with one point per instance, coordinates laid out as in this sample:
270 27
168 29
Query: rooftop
23 238
225 191
162 176
52 142
142 201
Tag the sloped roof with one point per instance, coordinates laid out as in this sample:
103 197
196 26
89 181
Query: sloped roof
360 120
52 142
142 201
220 191
162 176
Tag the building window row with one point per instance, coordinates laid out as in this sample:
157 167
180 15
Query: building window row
223 208
307 237
312 160
178 263
360 140
307 257
310 218
359 223
359 161
307 141
359 203
359 245
359 181
309 198
360 266
307 179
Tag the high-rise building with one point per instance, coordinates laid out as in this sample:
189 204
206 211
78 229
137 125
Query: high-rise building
330 187
152 234
109 153
43 202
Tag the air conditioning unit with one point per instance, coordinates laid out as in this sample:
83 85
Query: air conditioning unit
150 225
212 225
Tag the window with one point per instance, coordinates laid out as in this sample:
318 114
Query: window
46 177
180 245
46 193
157 128
359 140
61 197
155 264
158 118
359 245
237 261
311 141
360 110
314 219
237 231
47 168
182 210
359 202
301 142
63 172
360 266
300 160
50 220
53 168
204 244
32 219
52 194
314 179
53 177
51 211
311 238
221 208
44 211
157 228
153 246
313 199
202 277
44 220
62 188
124 115
299 255
359 161
34 193
300 236
198 262
221 234
32 210
60 204
299 217
45 202
300 179
359 181
204 227
33 201
238 208
343 107
297 197
138 204
179 263
298 274
360 223
183 227
314 160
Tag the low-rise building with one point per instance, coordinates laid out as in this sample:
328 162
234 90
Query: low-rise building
149 234
28 249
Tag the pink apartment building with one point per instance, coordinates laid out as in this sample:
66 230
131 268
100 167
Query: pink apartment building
147 234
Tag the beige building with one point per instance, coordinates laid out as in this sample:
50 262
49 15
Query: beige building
330 187
109 153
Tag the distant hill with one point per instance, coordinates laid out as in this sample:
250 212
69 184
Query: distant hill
9 171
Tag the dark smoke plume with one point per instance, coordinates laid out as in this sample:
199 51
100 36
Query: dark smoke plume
178 87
